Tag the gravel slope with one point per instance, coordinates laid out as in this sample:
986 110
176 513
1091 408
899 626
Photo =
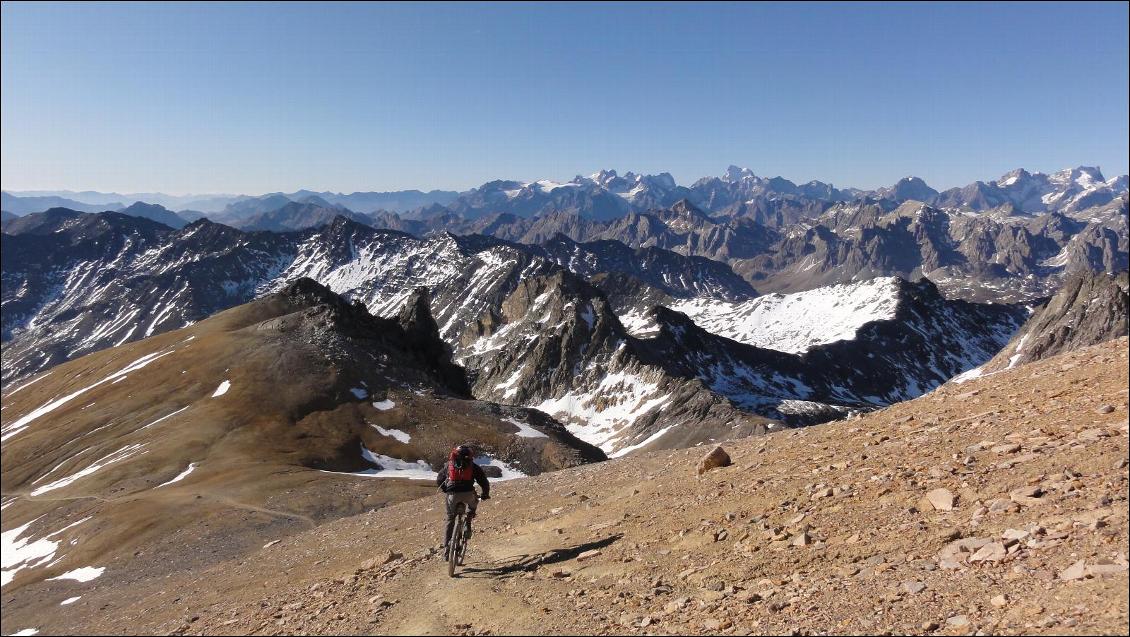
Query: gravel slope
822 530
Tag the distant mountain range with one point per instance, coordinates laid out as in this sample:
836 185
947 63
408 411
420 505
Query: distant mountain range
569 328
744 306
19 206
607 194
91 201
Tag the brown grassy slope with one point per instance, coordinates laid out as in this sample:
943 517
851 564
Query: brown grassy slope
816 530
257 449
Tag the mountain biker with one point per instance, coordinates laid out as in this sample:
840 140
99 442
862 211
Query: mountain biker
457 479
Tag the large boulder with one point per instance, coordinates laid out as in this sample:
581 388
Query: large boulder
716 458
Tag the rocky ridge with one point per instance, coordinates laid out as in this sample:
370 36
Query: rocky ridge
276 416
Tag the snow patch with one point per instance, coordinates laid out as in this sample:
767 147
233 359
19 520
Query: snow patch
163 418
28 384
19 425
509 472
117 456
392 467
384 405
222 389
795 323
650 439
399 435
181 476
18 553
524 429
84 574
1016 353
634 397
965 377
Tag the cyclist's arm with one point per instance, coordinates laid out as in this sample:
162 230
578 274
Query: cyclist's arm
481 478
441 477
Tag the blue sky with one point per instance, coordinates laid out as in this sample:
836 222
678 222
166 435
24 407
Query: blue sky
264 97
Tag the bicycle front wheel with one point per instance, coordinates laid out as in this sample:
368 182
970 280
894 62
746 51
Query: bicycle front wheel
455 548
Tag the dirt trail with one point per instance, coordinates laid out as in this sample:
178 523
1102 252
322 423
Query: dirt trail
998 505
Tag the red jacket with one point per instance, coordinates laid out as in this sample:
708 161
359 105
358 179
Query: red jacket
462 486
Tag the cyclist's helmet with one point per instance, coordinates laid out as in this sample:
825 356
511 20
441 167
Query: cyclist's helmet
460 456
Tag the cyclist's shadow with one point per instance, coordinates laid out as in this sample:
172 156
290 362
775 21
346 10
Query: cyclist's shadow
526 562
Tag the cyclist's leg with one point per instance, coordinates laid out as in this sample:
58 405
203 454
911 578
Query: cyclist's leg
451 504
472 506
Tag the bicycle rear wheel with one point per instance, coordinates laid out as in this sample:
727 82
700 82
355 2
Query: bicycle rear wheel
465 542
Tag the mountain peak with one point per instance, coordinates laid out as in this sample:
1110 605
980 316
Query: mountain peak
735 174
1013 176
910 187
604 176
684 206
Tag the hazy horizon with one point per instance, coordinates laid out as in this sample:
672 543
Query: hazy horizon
30 192
255 98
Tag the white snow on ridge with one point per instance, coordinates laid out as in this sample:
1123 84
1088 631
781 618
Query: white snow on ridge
639 324
1016 353
28 384
524 429
117 456
508 384
18 553
650 439
549 186
1060 259
84 574
222 389
21 424
394 467
181 476
795 323
399 435
967 376
601 427
164 417
508 472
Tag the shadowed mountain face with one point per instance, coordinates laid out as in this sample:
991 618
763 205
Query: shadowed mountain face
76 283
262 420
1090 308
559 345
996 255
525 320
157 213
296 215
107 285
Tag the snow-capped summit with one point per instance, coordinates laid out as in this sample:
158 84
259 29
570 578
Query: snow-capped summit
1082 176
735 174
1068 191
1011 177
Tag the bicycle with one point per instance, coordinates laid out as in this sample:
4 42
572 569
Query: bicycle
460 537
